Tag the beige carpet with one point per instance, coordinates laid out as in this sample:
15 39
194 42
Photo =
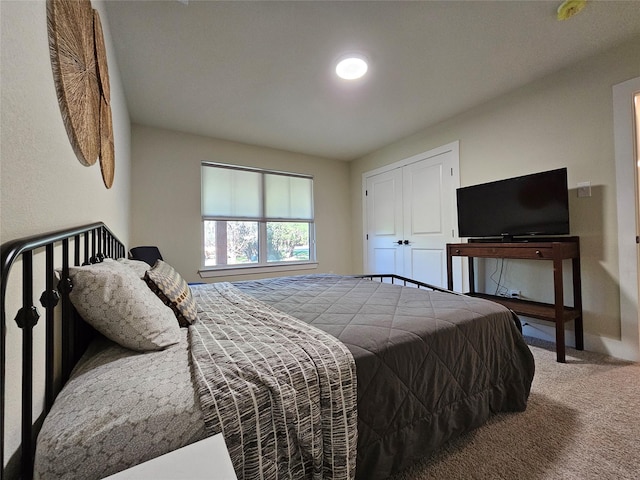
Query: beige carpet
582 422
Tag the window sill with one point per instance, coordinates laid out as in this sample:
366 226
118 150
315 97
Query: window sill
253 269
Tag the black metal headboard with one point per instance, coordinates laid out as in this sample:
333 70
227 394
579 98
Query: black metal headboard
62 249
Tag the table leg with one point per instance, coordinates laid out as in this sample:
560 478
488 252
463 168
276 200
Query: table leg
577 303
559 309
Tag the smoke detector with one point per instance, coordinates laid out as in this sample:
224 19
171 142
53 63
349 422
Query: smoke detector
569 8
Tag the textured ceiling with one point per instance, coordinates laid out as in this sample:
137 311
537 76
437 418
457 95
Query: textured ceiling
262 72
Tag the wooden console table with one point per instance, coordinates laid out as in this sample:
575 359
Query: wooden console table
551 249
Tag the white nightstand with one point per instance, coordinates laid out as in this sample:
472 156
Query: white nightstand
206 459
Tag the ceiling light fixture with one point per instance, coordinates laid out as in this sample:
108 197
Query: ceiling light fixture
352 67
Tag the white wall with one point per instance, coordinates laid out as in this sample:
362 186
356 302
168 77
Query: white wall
564 119
166 196
43 187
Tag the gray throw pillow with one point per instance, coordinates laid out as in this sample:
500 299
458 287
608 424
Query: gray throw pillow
115 301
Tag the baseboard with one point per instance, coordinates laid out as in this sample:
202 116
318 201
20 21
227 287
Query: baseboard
625 350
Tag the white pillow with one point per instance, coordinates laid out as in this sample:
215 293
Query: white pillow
138 266
116 302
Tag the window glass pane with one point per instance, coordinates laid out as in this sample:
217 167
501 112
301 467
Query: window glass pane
230 243
230 193
288 197
287 242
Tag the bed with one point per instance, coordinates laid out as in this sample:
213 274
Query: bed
311 376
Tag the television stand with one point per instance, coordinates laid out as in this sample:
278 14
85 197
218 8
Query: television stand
555 250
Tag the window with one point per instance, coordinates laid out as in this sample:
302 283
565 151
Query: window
254 217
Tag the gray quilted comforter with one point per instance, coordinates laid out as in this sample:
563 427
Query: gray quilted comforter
282 394
430 365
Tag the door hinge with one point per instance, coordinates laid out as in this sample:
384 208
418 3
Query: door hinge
637 239
366 193
367 236
452 171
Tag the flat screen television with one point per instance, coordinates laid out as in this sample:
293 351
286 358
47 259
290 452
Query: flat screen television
536 204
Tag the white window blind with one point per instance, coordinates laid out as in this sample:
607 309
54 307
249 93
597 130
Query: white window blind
248 194
288 197
231 193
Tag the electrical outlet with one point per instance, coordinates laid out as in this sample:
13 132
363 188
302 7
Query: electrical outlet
513 293
584 189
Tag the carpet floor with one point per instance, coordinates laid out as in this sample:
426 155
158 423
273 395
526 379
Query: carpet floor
582 422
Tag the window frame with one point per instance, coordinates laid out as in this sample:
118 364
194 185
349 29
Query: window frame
263 265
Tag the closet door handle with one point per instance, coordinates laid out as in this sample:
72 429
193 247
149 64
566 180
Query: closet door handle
406 242
399 242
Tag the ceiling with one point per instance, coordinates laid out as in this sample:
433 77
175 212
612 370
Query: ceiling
261 72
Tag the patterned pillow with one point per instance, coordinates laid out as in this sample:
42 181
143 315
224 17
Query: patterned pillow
138 266
111 298
172 289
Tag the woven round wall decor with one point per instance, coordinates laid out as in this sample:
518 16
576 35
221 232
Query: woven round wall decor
73 61
107 155
101 58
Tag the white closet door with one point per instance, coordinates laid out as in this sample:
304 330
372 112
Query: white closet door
427 207
410 217
385 222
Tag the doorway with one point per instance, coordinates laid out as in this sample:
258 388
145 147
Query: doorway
626 106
